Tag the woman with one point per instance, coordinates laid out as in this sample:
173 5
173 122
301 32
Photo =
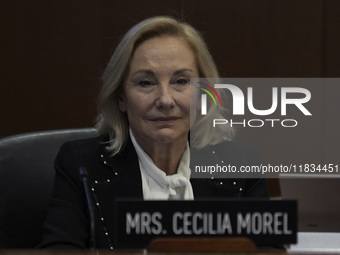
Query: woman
143 152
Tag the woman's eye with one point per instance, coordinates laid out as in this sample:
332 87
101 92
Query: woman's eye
182 81
145 83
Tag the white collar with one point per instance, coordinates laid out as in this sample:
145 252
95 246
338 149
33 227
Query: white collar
158 185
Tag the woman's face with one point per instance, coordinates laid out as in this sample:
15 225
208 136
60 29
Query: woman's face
156 93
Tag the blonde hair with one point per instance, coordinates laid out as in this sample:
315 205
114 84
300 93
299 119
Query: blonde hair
111 120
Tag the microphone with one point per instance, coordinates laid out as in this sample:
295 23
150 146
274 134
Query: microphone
92 238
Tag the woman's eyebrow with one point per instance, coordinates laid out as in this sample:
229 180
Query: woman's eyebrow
144 71
150 72
183 70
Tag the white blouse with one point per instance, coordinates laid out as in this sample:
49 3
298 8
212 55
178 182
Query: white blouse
159 186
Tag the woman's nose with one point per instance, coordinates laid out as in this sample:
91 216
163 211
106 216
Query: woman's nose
165 97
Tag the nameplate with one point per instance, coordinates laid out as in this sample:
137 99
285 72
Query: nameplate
265 222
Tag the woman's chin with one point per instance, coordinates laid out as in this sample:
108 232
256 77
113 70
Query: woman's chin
168 136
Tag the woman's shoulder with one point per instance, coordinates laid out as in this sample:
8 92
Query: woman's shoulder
231 156
86 143
86 152
232 149
234 145
85 149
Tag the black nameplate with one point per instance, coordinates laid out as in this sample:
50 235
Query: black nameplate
265 222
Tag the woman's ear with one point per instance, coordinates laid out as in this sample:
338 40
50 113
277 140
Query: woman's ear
121 101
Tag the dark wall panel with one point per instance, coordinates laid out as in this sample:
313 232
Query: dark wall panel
53 52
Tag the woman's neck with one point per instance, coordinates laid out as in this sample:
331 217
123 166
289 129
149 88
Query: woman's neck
166 156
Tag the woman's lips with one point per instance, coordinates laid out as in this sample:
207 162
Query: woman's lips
165 120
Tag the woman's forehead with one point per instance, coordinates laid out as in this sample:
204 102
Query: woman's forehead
163 52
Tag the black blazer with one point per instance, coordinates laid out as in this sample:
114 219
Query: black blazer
67 224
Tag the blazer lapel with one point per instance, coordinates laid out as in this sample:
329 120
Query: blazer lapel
126 181
123 180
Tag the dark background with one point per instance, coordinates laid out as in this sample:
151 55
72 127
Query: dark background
53 52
